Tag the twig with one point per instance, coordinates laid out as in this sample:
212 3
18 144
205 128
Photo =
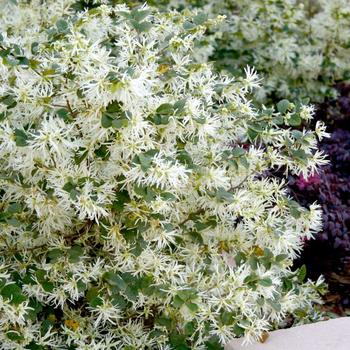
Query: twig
199 211
241 183
70 109
85 229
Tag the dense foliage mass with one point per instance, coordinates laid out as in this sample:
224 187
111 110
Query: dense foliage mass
135 208
300 47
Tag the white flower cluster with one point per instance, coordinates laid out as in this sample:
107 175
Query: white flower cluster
137 209
301 48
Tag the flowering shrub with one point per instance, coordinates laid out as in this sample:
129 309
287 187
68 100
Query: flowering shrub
135 208
300 48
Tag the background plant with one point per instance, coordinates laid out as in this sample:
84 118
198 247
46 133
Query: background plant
300 48
136 211
331 189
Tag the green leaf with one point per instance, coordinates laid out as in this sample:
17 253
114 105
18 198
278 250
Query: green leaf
282 106
239 331
295 209
93 297
45 326
299 154
177 301
81 286
302 274
14 208
179 106
196 237
227 317
3 116
200 18
252 134
287 284
75 253
244 162
23 61
190 328
102 152
139 15
266 112
80 156
13 293
252 278
36 308
167 196
61 25
119 301
145 161
146 192
115 280
131 293
141 26
106 121
34 48
21 138
297 134
178 341
200 226
68 186
188 25
34 346
14 222
9 101
294 120
64 114
161 119
184 158
47 286
192 306
125 14
187 294
71 189
54 255
240 258
275 304
114 107
165 108
224 195
238 152
165 322
281 257
265 282
253 262
14 336
279 120
121 198
200 120
119 123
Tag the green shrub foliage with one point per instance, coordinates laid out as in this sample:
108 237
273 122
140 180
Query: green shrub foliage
300 48
136 207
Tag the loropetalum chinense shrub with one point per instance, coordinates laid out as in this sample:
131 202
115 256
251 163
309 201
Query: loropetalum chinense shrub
136 212
299 47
